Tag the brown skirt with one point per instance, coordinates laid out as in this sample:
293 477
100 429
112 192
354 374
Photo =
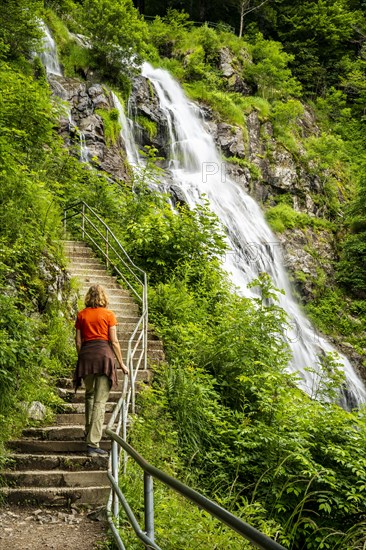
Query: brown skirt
95 357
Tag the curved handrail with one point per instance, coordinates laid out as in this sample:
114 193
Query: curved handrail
244 529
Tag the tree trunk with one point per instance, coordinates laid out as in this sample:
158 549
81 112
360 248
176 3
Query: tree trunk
241 23
202 10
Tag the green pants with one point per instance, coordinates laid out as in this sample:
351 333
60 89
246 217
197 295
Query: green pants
97 388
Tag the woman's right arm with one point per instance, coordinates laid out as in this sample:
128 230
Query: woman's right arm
117 348
78 341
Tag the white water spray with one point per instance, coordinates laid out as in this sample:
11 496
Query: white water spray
197 169
49 56
127 133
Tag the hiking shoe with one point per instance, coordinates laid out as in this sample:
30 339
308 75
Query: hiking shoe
96 451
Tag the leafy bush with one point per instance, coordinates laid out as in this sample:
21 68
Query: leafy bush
283 216
112 127
269 70
117 32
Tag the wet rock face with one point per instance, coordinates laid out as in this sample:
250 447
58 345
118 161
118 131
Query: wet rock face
232 70
280 172
308 252
81 119
145 103
228 138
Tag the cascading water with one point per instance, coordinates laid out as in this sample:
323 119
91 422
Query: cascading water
84 151
49 56
197 169
51 63
126 133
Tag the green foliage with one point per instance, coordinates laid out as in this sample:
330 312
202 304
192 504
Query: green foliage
168 32
283 216
223 103
259 104
225 410
270 70
351 268
160 239
76 59
148 125
112 127
117 32
255 172
285 118
20 32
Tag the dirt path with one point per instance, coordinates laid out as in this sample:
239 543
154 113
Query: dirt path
49 528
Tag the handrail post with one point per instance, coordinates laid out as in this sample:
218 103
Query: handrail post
83 221
106 248
149 505
146 322
115 468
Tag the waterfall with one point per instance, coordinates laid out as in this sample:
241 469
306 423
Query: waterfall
84 151
196 167
127 133
49 56
51 63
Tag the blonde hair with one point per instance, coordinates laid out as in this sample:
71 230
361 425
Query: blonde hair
96 297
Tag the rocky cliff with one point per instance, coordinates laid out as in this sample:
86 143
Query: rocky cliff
83 129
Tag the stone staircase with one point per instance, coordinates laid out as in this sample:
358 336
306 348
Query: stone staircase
48 465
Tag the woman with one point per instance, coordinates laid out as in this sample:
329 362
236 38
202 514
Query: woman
96 340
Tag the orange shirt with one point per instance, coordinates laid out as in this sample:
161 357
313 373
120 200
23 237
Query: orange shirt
94 323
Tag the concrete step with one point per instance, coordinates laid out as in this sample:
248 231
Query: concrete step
37 446
56 478
72 462
55 496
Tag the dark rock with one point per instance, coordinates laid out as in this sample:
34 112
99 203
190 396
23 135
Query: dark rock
144 102
232 70
178 195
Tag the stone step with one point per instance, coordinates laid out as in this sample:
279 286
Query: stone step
55 496
142 375
78 397
38 446
77 270
55 433
113 292
74 419
86 260
86 268
72 462
78 408
107 281
56 478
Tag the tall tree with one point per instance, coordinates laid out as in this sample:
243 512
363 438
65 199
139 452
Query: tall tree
117 33
20 32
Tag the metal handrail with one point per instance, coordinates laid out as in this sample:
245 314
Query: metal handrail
198 23
135 358
119 416
248 532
